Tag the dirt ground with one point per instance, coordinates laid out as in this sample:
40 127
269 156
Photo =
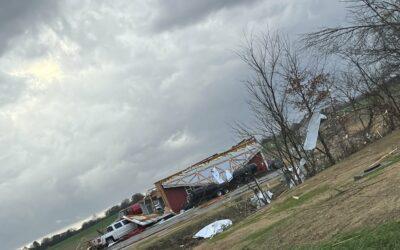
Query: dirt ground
329 203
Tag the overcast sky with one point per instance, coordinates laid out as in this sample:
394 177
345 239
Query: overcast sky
99 99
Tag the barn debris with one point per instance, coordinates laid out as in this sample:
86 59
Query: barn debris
377 165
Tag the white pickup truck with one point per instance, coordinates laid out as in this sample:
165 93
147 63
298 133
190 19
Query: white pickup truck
114 232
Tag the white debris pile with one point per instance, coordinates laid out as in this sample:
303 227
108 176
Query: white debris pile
212 229
258 200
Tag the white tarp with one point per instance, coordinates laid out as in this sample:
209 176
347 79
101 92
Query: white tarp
217 178
312 130
212 229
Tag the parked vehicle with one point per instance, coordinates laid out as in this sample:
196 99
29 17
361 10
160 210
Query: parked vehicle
243 175
197 195
204 193
131 221
115 232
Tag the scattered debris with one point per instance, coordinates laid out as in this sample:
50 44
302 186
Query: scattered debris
260 199
295 197
145 220
374 166
290 174
212 229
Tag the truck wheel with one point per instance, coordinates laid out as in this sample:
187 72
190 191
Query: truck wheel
220 193
110 241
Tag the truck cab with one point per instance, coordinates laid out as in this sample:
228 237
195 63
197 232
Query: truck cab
116 231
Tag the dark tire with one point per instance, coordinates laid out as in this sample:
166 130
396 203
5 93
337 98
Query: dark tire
220 193
110 240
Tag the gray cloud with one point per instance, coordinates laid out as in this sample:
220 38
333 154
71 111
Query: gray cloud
172 14
10 89
130 106
22 16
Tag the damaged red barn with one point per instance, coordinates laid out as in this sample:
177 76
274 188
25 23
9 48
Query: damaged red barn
174 189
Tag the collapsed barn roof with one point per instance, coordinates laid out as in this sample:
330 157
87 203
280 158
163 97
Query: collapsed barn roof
200 173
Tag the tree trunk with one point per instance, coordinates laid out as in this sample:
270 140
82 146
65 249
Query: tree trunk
326 149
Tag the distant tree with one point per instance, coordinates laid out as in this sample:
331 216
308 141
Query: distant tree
113 210
46 242
125 203
35 245
137 197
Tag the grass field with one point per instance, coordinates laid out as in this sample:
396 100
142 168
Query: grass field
77 241
384 236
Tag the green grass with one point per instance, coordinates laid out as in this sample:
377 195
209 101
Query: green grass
375 174
81 237
290 202
392 160
237 226
256 239
384 236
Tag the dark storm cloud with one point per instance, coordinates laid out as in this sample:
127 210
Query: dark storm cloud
172 14
19 16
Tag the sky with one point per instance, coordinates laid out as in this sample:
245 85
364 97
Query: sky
100 99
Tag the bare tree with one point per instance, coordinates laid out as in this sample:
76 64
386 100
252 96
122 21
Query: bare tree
373 33
370 43
308 87
284 88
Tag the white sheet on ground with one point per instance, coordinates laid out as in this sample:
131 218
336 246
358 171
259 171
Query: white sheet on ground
212 229
312 130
